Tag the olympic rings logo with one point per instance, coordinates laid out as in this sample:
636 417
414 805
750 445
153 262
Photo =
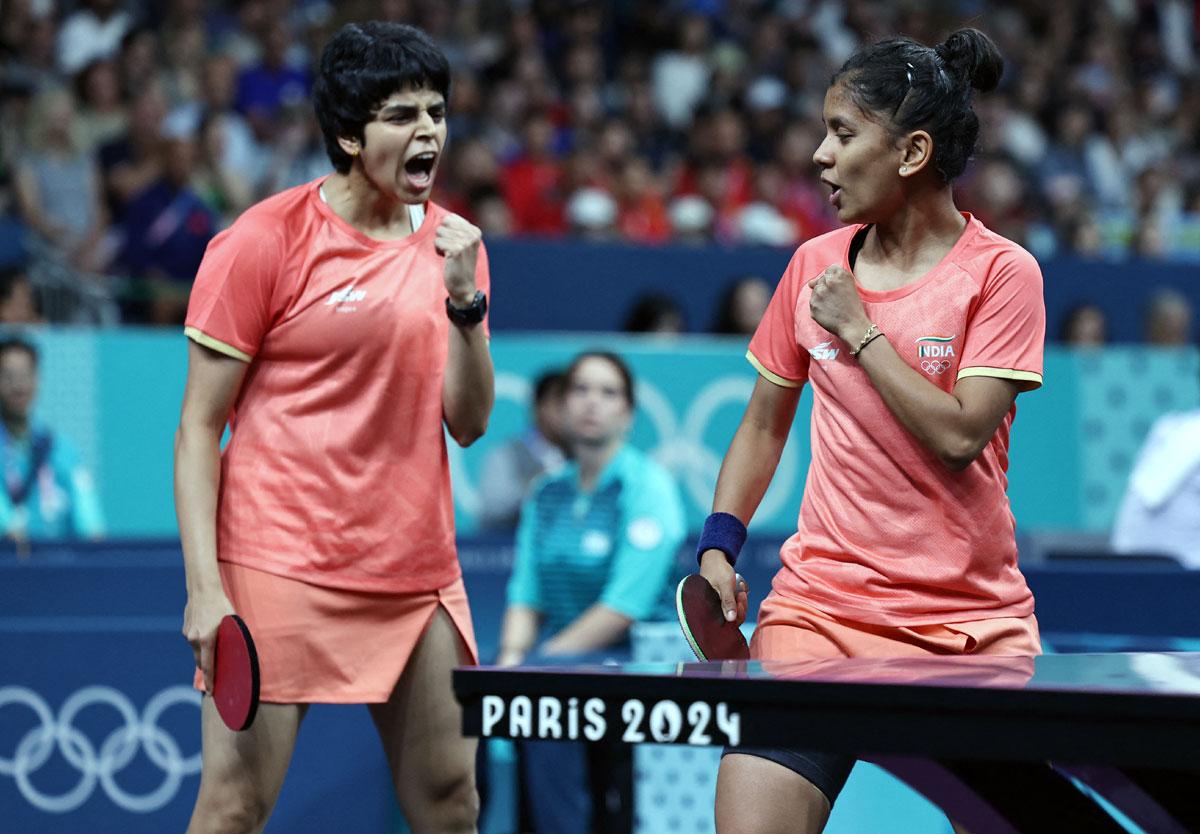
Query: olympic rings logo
935 366
114 753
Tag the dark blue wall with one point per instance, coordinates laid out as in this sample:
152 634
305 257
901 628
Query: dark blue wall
554 285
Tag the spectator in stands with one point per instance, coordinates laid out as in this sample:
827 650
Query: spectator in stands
166 230
533 182
1084 326
138 60
299 149
1168 321
102 116
272 83
655 313
1160 513
596 551
48 493
58 185
742 306
133 162
509 469
489 212
19 299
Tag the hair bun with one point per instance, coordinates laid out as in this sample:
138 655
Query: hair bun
971 56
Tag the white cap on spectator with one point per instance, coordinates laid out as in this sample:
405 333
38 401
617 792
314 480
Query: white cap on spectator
690 214
591 208
766 93
762 224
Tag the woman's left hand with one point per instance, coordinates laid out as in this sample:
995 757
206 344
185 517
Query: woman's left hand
836 306
458 241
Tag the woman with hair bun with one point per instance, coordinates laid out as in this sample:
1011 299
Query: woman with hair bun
916 327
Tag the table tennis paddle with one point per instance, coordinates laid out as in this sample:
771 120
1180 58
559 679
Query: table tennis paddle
710 635
235 674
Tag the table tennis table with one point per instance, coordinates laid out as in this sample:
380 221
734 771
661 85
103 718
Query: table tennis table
1000 744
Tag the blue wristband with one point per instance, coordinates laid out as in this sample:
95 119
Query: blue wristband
723 532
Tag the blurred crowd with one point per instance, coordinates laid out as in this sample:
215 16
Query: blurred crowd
131 132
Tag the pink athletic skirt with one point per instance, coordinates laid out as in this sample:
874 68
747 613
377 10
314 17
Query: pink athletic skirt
331 645
787 629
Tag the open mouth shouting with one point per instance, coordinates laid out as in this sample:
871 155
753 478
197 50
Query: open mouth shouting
419 168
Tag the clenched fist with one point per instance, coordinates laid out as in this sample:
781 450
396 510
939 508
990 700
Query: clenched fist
836 306
458 241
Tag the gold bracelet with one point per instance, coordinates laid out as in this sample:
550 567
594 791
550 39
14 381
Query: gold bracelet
872 332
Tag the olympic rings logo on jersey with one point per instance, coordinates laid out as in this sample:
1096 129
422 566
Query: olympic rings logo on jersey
935 366
98 764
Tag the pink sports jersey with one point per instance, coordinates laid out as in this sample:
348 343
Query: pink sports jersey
336 471
887 533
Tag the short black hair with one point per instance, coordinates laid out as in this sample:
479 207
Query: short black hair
361 66
8 343
917 87
649 310
550 383
614 360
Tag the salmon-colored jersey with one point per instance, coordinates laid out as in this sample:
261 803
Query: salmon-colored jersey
336 471
887 533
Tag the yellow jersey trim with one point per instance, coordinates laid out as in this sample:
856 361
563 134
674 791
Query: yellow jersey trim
769 375
202 338
1033 380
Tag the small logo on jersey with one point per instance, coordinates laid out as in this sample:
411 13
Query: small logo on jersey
935 347
824 352
644 533
345 297
595 543
935 353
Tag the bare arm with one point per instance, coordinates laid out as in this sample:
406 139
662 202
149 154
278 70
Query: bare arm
468 391
517 634
955 426
213 382
745 475
596 628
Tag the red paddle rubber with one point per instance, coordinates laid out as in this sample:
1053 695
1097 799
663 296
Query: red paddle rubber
235 676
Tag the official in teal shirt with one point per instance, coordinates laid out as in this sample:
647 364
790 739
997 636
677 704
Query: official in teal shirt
596 552
614 546
47 494
597 542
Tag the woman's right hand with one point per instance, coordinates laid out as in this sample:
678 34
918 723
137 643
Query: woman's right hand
201 618
730 586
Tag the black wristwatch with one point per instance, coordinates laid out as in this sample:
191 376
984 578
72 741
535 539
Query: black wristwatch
470 315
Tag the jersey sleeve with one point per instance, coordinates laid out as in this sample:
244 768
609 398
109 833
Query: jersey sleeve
1006 332
774 351
523 586
652 529
231 305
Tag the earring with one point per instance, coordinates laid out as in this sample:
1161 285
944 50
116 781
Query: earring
903 169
